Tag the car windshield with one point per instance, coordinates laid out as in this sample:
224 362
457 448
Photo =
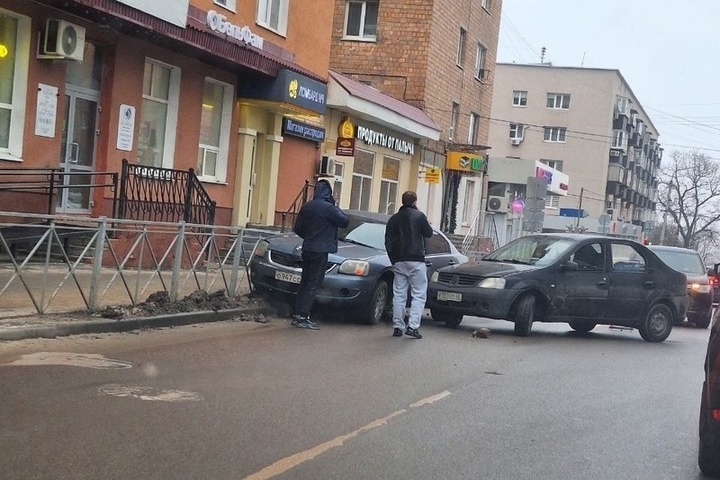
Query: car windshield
531 250
363 232
682 261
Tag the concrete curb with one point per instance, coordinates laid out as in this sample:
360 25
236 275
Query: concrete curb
125 325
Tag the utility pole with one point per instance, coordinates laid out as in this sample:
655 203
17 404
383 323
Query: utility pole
579 209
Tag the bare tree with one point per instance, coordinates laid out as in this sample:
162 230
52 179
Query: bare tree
689 193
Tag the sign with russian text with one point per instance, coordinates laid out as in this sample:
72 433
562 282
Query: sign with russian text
432 175
302 130
465 162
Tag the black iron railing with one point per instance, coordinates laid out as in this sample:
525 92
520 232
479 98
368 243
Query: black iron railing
163 195
288 216
50 181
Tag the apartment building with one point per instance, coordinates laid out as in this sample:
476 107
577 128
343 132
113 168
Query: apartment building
438 56
586 123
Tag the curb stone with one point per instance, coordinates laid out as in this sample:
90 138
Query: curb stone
125 325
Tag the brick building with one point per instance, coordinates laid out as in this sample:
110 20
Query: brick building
439 56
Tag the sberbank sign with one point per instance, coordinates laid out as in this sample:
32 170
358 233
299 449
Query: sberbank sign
371 137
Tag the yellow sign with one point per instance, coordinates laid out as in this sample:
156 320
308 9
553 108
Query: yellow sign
3 51
346 129
464 161
432 175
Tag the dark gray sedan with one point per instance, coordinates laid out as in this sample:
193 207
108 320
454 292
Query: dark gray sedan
583 280
358 278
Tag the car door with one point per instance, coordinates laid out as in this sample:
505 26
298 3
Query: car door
630 282
582 293
439 253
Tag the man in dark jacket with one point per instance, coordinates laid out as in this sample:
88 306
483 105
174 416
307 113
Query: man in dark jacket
317 224
405 244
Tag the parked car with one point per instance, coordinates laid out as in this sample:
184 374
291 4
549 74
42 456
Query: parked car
709 439
358 278
583 280
714 277
700 292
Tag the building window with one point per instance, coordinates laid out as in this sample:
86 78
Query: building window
556 164
158 114
516 131
619 139
272 14
389 186
558 100
622 105
485 4
474 128
361 20
460 56
228 4
362 180
15 36
480 62
555 134
215 130
552 201
469 203
454 114
338 183
520 98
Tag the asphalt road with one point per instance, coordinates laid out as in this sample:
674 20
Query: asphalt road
245 400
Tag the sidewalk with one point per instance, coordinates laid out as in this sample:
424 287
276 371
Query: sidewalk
68 315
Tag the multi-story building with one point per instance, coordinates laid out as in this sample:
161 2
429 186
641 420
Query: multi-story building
587 124
439 56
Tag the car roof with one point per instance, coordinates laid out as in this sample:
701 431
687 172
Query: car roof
667 248
371 216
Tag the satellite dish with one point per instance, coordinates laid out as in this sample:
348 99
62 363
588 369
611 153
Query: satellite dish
69 40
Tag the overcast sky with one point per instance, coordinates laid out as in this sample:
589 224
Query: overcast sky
667 50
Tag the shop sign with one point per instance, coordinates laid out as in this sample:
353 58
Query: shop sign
174 12
371 137
465 162
218 23
302 130
432 175
346 142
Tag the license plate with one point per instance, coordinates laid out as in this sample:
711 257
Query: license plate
287 277
449 296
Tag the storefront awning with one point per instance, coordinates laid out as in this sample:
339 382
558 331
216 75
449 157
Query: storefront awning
369 104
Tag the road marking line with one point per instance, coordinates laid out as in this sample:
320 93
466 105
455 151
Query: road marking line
287 463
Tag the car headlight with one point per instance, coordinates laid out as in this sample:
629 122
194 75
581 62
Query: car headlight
434 277
493 282
696 287
261 248
361 268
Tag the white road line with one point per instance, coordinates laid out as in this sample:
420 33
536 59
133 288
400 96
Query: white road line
287 463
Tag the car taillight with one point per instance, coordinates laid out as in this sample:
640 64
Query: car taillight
715 415
713 280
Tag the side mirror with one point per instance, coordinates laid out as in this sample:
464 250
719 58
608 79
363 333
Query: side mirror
569 266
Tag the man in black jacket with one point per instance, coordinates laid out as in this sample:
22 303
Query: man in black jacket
317 224
405 244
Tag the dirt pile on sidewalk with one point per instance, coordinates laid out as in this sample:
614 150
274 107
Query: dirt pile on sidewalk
159 303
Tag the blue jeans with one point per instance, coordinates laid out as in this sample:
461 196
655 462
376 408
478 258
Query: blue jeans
414 275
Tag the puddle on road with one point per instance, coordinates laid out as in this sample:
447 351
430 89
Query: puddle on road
85 360
149 393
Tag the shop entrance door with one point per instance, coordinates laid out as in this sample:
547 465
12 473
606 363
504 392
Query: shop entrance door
77 152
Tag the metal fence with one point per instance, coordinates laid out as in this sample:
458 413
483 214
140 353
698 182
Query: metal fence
57 264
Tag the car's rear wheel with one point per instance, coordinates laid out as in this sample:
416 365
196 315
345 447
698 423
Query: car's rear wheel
378 308
582 327
657 324
450 319
524 315
708 459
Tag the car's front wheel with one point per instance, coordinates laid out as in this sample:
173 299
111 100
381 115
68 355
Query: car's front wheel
657 324
524 315
450 319
378 308
582 327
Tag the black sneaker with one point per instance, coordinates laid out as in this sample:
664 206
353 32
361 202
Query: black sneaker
413 332
304 322
397 332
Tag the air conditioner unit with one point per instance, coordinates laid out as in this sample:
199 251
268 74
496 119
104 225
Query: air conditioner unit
515 141
614 153
496 204
61 40
327 166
